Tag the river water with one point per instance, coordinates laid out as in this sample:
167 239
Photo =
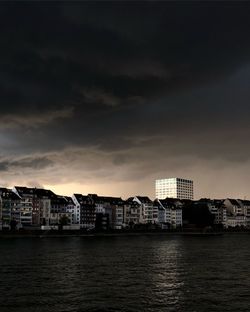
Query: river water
137 273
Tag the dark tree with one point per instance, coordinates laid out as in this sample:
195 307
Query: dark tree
198 214
13 225
64 220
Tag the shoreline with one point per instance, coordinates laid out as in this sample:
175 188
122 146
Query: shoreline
116 234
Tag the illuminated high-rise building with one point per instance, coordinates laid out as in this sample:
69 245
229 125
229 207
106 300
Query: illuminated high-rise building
174 188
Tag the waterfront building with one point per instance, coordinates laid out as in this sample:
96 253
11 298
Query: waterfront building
169 213
236 220
29 209
246 206
118 215
132 212
73 210
235 213
148 211
111 208
117 207
221 215
216 208
35 205
45 207
59 212
9 208
43 198
103 212
85 213
233 206
174 188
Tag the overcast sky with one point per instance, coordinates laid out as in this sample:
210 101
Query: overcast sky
106 97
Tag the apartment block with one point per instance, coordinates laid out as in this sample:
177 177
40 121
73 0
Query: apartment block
174 188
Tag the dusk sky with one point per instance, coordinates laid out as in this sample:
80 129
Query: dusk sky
104 97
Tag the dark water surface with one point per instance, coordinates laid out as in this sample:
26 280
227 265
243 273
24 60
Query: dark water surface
139 273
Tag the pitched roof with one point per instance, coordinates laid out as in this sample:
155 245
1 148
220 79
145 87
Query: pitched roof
41 193
8 194
38 192
107 199
58 200
144 199
83 199
23 190
131 202
245 202
69 200
234 202
169 204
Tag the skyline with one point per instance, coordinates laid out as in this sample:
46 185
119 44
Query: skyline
153 197
108 97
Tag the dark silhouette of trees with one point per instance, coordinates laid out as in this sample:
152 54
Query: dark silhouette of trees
13 225
198 214
64 220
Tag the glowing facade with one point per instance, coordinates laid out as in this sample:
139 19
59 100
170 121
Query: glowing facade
174 188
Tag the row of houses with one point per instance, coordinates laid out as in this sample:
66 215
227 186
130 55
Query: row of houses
23 207
230 212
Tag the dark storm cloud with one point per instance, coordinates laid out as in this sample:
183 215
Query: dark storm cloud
54 54
127 84
37 163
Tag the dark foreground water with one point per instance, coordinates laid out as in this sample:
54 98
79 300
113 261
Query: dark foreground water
144 273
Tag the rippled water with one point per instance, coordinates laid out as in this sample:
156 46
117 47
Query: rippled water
139 273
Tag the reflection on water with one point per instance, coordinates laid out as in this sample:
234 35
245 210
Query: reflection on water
142 273
166 281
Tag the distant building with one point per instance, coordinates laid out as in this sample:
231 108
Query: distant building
148 211
35 205
132 212
40 207
59 212
174 188
9 208
109 211
216 208
236 213
169 213
29 212
85 214
43 200
73 210
246 206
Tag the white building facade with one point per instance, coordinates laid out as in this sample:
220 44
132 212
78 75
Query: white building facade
169 213
174 188
148 211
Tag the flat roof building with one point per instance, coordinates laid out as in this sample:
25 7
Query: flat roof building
174 188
